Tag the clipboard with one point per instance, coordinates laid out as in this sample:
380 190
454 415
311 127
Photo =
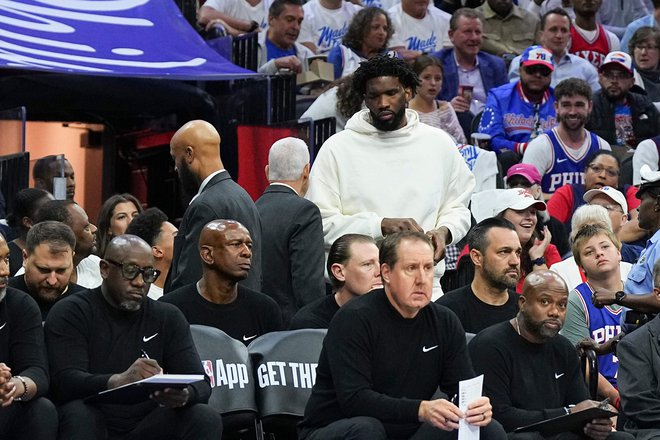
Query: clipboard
568 422
139 391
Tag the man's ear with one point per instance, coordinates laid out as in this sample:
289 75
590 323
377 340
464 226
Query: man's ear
189 154
206 254
104 268
157 252
476 257
25 257
338 272
266 171
385 272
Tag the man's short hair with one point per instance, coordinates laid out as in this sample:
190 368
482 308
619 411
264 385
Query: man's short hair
287 159
462 12
587 232
557 11
57 235
340 253
384 65
55 210
277 6
41 168
147 225
590 215
25 204
389 247
478 236
572 87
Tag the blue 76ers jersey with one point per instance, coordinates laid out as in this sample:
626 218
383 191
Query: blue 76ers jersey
565 169
603 325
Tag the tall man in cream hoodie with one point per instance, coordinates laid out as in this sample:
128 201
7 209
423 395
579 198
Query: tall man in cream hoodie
387 172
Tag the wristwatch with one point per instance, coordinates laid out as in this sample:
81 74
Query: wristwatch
253 26
619 296
539 261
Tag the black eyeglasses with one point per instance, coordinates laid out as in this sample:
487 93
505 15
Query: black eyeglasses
130 271
541 70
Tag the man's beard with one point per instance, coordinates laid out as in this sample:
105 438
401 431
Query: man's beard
538 329
500 281
392 124
189 181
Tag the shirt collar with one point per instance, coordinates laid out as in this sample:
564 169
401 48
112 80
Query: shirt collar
284 184
476 62
205 182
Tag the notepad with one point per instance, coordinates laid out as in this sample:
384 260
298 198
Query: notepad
139 391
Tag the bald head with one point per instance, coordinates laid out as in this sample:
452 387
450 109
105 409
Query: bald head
195 148
225 247
122 245
542 306
540 280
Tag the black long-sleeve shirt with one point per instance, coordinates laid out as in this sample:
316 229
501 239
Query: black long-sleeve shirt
376 363
22 345
526 382
88 341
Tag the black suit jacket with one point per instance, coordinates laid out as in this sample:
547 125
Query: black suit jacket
293 247
222 198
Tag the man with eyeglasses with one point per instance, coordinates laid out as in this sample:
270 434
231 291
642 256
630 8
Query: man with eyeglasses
560 153
217 299
619 116
111 336
518 112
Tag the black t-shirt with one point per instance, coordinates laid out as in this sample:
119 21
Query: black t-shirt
18 282
474 314
252 314
316 314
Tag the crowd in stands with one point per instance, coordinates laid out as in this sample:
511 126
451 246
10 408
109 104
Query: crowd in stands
496 172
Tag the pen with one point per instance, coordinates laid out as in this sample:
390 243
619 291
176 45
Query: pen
145 355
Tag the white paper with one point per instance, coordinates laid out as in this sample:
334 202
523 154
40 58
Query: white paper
468 390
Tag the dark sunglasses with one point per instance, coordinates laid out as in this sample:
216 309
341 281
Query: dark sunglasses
130 271
541 70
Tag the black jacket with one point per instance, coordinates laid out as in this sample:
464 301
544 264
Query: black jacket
644 117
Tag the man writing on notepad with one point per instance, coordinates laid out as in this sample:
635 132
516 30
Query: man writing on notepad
113 335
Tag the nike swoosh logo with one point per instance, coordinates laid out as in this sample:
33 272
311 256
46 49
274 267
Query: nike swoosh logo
145 339
247 338
561 160
557 376
426 350
3 326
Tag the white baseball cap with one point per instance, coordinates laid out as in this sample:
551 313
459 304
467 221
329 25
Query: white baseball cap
610 192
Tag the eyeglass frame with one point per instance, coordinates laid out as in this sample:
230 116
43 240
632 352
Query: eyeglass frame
598 169
649 48
617 75
139 270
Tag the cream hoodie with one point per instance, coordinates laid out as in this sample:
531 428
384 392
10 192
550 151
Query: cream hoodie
362 175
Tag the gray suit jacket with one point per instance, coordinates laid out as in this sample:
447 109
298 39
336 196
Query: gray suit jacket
639 380
293 247
222 198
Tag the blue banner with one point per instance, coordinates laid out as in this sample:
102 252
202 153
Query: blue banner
135 38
